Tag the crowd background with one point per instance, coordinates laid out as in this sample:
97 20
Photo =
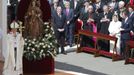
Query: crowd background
109 17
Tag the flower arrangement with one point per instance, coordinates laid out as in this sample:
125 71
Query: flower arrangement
38 48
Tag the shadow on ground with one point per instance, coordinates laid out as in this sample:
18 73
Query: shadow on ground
68 67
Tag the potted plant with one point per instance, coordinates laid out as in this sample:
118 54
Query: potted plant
39 53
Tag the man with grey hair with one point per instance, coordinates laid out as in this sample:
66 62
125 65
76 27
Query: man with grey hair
121 9
69 13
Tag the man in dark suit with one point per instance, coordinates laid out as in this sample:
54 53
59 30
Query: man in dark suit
105 19
69 26
98 6
62 3
125 31
76 6
59 20
131 15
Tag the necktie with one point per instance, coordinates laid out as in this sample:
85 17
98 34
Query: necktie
67 12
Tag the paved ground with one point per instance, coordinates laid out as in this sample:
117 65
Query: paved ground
86 64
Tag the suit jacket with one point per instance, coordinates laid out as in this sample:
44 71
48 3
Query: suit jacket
59 22
106 1
78 6
131 16
125 34
84 17
70 15
61 3
100 10
76 10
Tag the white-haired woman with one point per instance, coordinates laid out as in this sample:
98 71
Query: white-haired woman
114 30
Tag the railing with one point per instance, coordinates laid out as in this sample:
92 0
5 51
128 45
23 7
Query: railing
95 50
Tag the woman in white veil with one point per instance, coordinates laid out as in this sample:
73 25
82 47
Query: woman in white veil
114 30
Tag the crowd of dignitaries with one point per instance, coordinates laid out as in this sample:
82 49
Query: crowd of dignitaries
108 17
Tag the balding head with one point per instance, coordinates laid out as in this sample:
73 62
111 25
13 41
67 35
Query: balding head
121 4
67 4
105 8
90 8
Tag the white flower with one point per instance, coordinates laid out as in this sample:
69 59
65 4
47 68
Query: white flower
33 49
33 42
48 46
51 44
28 48
29 44
52 32
42 51
36 45
34 39
51 28
44 54
42 43
44 46
25 39
48 26
46 35
43 39
46 30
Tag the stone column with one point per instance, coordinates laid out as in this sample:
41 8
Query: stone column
3 26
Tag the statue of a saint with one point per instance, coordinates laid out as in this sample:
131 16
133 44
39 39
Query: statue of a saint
33 20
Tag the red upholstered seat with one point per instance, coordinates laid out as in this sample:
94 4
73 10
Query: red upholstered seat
130 43
78 25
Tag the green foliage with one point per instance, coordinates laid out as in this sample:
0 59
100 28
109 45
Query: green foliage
38 48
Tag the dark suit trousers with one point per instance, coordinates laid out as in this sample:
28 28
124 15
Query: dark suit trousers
61 39
123 47
69 32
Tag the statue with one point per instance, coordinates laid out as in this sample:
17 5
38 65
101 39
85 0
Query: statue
33 20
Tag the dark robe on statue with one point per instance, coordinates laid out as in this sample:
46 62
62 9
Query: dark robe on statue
23 7
104 44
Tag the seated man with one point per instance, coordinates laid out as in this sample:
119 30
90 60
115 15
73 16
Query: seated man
14 52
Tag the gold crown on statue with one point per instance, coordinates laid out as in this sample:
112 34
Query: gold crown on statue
14 24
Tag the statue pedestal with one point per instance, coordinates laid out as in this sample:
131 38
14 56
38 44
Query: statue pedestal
44 66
